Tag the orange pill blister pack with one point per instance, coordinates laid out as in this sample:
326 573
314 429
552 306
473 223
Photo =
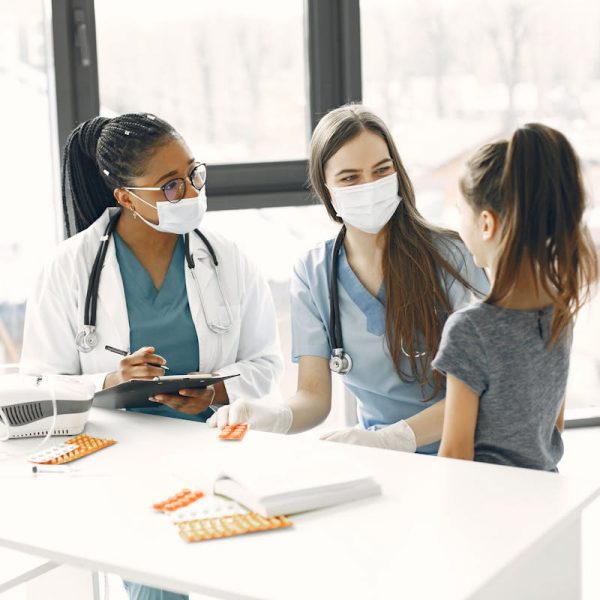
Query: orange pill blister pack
73 449
214 528
234 432
179 500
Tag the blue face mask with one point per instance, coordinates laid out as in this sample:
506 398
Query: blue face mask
177 217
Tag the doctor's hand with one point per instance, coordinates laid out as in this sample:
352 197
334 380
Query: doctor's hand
398 436
263 416
190 402
142 364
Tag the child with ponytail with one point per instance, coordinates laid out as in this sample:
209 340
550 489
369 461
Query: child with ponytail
507 358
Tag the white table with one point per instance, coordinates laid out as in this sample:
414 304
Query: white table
442 528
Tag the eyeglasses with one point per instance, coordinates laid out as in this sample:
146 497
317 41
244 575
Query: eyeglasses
174 189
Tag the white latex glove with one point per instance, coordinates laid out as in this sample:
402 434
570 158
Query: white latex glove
263 416
398 436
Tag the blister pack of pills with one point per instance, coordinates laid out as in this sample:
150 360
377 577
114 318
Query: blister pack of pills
234 433
45 456
179 500
207 506
214 528
73 449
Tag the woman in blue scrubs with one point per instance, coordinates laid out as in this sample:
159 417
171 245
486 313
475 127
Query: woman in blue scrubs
398 278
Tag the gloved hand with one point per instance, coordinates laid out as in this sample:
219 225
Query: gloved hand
398 436
263 416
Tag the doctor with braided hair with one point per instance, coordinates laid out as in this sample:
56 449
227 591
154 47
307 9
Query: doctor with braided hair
138 273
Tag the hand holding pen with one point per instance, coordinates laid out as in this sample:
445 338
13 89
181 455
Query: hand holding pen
141 364
144 364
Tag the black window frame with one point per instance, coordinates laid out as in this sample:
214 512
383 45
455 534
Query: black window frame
332 33
333 58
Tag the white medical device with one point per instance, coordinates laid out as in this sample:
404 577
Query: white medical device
28 405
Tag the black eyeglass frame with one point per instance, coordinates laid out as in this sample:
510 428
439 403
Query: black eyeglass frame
182 179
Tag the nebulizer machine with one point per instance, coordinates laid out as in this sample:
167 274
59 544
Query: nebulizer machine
41 406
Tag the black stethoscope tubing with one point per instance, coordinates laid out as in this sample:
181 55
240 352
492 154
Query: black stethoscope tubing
340 361
91 296
335 326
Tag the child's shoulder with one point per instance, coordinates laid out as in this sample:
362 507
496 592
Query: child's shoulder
475 318
476 311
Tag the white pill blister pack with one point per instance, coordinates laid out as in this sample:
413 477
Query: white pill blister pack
208 506
51 453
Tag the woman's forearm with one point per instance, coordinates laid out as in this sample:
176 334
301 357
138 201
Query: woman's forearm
427 425
309 410
221 395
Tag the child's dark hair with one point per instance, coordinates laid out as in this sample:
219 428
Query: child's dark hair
103 154
533 183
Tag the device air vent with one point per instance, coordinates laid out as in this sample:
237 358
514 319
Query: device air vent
22 414
41 433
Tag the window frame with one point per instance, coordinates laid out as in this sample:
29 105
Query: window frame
334 77
332 51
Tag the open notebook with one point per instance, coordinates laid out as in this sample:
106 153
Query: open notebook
275 486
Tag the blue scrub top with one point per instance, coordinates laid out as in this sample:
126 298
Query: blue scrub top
382 397
161 318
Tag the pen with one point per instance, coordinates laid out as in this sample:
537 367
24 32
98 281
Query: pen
35 469
126 353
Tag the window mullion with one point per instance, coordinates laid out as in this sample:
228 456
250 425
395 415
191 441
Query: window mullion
333 55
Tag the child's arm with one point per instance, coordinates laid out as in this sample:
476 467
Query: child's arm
560 421
460 419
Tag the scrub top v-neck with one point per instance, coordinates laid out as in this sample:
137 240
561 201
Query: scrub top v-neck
382 397
161 318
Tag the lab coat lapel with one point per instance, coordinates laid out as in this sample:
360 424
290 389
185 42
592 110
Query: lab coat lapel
111 302
205 274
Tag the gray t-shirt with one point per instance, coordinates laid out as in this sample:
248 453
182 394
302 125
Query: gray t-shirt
503 355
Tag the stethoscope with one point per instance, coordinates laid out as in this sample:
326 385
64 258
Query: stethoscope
87 339
340 361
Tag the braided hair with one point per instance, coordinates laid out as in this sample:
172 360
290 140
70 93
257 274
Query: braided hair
102 154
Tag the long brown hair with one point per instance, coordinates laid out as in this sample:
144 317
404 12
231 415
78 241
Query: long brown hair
417 300
533 184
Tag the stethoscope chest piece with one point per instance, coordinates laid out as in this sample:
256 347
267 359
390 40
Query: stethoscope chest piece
340 362
86 339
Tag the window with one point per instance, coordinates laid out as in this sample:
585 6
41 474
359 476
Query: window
29 227
245 82
229 76
449 76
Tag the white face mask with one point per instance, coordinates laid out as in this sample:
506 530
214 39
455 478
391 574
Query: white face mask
368 206
177 217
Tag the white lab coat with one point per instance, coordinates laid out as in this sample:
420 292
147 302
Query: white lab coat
55 311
